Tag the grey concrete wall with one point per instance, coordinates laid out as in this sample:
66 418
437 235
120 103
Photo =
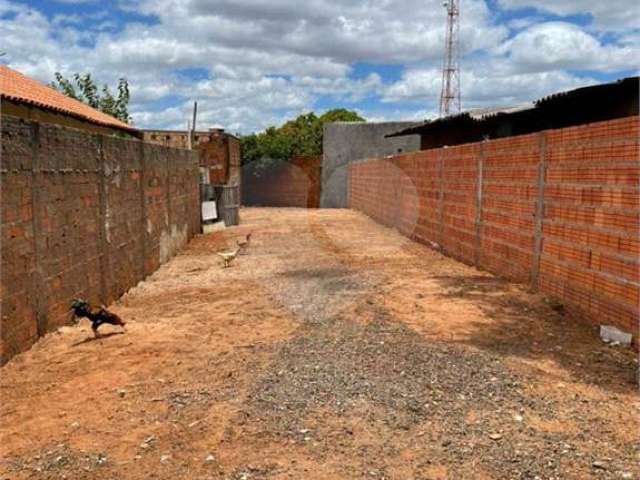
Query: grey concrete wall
348 142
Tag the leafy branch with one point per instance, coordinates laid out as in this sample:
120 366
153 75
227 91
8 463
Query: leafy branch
85 89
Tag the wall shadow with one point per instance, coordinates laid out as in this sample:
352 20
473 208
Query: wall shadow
534 327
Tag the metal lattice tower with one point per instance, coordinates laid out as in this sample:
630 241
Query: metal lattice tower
450 95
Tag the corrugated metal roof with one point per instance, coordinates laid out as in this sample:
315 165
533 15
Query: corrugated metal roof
586 104
19 88
481 113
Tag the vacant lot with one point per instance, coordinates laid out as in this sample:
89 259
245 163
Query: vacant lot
335 349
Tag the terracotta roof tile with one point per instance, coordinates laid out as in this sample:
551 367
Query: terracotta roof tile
20 88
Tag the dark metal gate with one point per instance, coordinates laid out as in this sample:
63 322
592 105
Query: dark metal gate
228 197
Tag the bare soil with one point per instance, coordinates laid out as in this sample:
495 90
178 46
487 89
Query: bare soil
333 349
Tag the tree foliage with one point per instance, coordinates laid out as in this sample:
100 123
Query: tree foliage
85 89
301 136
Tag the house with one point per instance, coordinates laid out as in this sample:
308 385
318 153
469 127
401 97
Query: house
87 209
26 98
219 152
565 109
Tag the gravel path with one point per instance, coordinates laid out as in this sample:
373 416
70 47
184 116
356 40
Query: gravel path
335 349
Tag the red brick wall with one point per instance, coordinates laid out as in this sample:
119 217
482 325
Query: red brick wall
479 203
221 155
84 215
289 184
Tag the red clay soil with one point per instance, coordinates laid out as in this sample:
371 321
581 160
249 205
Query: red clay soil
334 349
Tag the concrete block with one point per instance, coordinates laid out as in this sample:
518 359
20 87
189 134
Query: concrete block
612 335
213 227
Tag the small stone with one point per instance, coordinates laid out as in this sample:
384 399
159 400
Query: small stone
122 393
626 475
210 458
600 465
495 436
518 418
165 458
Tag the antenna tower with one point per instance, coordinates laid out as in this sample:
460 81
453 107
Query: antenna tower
450 95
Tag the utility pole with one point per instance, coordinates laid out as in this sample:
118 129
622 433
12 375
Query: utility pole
193 125
450 95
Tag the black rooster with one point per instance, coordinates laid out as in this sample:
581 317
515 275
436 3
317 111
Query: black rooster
97 316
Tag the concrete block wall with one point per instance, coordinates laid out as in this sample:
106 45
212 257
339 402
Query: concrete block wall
347 142
559 209
84 215
295 183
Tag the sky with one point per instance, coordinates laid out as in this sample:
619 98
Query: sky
255 63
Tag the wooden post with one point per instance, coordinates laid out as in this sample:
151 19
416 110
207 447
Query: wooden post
193 125
539 212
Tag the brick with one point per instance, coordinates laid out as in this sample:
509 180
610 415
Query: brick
292 184
68 217
591 210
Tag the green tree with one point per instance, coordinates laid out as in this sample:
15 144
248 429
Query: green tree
85 89
340 115
301 136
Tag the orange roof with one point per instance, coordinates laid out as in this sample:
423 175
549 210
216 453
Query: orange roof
20 88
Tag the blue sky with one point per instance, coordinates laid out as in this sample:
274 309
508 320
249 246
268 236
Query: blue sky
251 63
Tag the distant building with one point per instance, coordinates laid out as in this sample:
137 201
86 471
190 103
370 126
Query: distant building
179 138
347 142
26 98
219 157
220 167
596 103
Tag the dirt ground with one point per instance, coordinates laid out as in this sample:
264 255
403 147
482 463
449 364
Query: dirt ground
334 349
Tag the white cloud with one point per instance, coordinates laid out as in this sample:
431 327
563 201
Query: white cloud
481 87
560 45
266 61
607 15
389 31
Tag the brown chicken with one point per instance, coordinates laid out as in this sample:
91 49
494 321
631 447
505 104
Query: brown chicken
244 244
97 316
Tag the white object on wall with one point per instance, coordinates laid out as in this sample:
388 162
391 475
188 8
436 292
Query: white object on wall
209 211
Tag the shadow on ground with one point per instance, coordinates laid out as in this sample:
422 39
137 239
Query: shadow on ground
539 328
